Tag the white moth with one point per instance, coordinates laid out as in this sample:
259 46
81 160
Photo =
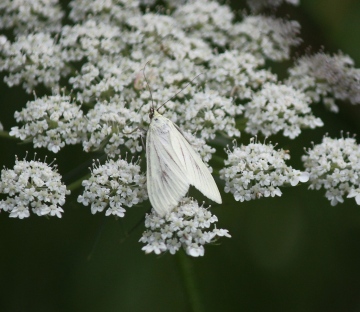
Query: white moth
173 165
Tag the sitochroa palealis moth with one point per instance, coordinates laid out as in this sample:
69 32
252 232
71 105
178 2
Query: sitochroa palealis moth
173 165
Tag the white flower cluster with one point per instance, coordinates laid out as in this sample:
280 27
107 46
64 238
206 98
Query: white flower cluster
207 112
188 226
32 59
324 77
206 20
239 74
32 184
112 57
114 185
116 11
108 127
163 34
100 55
24 16
334 165
258 5
93 83
258 170
92 40
50 122
279 108
265 36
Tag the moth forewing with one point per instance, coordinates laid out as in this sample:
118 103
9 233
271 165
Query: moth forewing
166 181
173 165
197 173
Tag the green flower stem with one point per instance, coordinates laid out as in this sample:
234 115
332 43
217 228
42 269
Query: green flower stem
219 160
188 276
6 135
75 185
241 123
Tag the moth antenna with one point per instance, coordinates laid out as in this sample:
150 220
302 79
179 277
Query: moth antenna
148 86
179 91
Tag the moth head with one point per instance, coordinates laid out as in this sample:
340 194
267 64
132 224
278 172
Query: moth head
151 112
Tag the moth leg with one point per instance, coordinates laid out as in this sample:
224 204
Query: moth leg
143 143
136 129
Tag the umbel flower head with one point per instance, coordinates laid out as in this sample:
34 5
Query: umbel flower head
334 165
114 185
188 226
51 122
26 16
280 108
32 185
328 78
258 170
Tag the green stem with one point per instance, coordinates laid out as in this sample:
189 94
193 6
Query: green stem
219 160
188 276
6 135
73 186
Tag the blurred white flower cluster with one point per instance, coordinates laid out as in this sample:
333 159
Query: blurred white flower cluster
31 60
258 5
188 226
270 38
24 17
218 60
258 170
327 78
32 185
334 165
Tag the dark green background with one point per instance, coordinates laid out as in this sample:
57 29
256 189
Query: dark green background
294 253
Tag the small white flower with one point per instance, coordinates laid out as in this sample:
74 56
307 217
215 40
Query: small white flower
221 232
155 247
195 250
20 212
173 245
116 211
297 176
187 226
355 193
